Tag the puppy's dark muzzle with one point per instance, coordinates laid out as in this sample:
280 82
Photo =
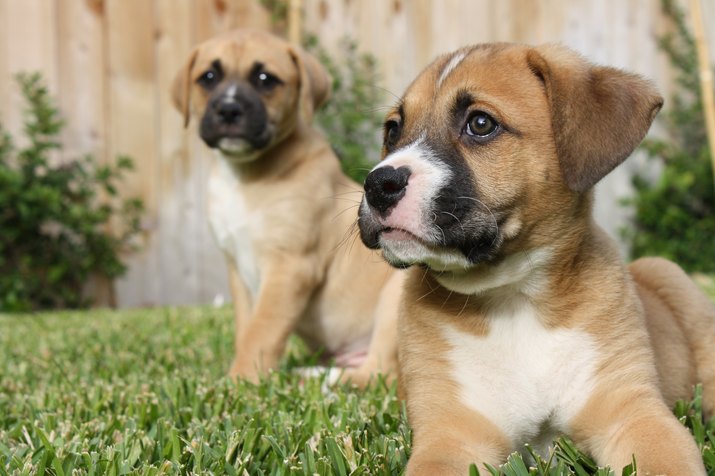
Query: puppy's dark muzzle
229 112
385 187
240 115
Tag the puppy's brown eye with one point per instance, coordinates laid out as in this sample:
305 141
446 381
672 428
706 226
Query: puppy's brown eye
481 125
210 78
266 81
392 134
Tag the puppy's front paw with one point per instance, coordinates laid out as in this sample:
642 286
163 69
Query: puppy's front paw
238 371
330 375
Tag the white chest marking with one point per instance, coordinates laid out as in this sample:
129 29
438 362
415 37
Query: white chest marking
235 226
522 376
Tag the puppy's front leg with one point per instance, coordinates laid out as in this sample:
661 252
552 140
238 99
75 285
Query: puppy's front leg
382 354
241 310
614 426
447 439
285 290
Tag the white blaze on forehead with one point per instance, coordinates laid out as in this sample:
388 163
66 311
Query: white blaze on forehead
408 154
427 177
451 65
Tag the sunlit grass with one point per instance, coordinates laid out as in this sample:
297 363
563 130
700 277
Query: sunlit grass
144 392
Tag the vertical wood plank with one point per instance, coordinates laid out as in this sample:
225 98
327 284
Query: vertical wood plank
179 219
551 21
249 13
31 45
132 124
81 94
81 77
708 7
5 77
396 61
473 29
217 16
418 13
111 68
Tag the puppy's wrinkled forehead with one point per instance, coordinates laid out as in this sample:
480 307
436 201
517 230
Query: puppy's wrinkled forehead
239 53
495 75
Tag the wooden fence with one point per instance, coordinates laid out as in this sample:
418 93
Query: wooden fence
110 63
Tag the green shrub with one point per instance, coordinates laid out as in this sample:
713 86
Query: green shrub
54 225
675 214
352 119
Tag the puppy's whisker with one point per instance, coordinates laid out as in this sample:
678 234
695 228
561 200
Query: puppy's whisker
444 238
434 220
431 290
346 193
352 207
425 295
496 223
424 275
355 236
363 169
351 200
446 299
529 260
351 232
378 108
384 89
465 305
456 219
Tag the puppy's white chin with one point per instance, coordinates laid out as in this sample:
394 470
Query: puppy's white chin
239 151
401 248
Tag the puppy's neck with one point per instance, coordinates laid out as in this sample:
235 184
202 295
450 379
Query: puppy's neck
535 271
520 273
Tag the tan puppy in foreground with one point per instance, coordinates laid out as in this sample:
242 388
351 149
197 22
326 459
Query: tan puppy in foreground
279 207
520 321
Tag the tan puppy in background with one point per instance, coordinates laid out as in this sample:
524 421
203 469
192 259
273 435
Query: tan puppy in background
520 321
282 209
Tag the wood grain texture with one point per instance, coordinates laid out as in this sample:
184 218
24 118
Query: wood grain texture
132 130
110 63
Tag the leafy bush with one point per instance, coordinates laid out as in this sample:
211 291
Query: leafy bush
351 119
675 215
54 225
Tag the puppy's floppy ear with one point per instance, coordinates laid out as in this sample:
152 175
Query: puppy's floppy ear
315 82
181 87
598 114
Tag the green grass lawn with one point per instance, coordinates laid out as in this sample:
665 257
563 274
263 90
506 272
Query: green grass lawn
143 392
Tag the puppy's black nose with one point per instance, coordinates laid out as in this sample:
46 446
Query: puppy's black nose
229 111
385 186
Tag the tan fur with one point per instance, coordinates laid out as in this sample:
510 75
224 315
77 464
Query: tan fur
313 280
570 123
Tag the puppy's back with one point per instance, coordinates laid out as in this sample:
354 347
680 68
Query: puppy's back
681 323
